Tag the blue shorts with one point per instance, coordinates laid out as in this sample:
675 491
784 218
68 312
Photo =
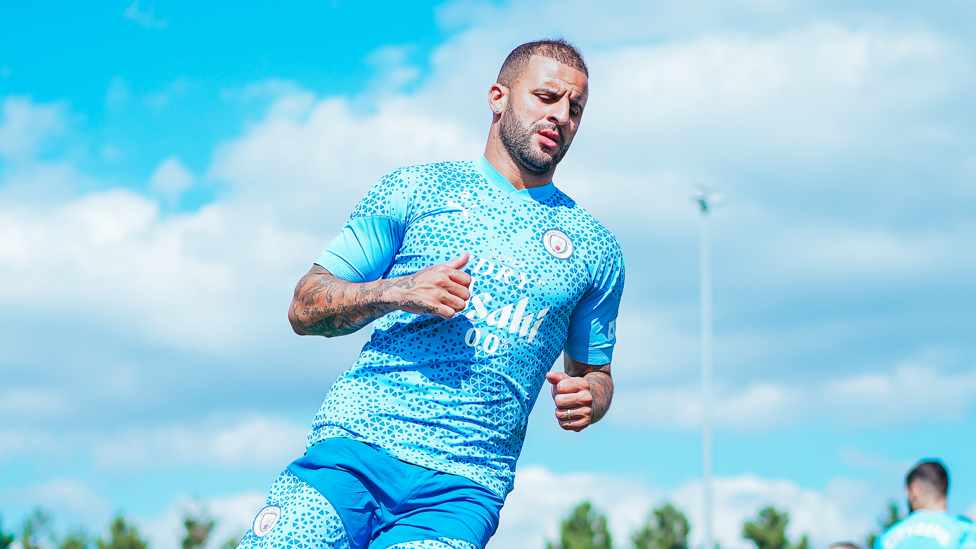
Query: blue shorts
345 494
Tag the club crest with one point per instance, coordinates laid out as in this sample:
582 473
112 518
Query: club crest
557 243
266 520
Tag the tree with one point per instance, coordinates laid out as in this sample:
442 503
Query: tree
666 528
122 536
885 522
197 526
77 539
36 530
768 531
5 539
583 529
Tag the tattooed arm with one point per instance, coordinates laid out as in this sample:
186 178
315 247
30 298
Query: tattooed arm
582 393
328 306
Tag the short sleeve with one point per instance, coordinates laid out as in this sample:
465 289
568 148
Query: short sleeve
593 323
969 537
370 240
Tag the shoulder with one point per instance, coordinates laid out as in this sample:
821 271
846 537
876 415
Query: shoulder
398 192
592 233
431 174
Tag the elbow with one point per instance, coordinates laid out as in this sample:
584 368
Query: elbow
296 323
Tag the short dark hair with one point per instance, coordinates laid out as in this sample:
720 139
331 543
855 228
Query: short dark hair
557 49
931 472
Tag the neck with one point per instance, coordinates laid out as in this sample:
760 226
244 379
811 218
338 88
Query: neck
933 506
497 155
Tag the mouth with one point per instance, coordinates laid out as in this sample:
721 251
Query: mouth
549 139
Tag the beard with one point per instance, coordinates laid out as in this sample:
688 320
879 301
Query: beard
517 139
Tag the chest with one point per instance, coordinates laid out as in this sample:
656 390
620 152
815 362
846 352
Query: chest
518 249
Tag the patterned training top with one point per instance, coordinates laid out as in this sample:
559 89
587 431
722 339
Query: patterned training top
455 395
929 530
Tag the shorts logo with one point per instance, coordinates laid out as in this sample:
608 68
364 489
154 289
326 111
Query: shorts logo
266 520
558 244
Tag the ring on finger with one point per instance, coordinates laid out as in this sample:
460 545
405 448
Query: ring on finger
569 415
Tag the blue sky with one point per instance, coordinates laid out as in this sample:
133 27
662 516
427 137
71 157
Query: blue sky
168 171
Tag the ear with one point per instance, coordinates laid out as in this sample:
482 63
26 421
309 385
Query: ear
911 494
498 95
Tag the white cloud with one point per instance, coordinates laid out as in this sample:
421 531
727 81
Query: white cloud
233 515
19 440
120 252
531 516
171 178
63 497
26 127
863 400
248 441
309 162
777 118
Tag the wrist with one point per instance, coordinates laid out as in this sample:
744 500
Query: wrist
387 296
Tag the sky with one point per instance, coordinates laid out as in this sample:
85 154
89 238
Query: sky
168 171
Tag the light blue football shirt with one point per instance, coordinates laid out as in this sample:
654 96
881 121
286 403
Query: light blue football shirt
928 530
455 395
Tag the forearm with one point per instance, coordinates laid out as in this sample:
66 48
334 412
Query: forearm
601 387
597 393
328 306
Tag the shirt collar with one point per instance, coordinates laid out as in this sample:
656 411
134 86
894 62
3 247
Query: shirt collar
499 182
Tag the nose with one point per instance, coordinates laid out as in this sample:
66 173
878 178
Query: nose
559 111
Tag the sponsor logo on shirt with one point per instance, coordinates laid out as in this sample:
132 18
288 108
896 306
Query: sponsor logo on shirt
513 318
502 273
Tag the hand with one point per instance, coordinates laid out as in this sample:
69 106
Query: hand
439 290
573 400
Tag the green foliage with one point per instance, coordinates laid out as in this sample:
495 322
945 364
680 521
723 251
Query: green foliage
885 522
583 529
666 528
197 526
5 539
768 531
122 536
36 529
75 540
231 543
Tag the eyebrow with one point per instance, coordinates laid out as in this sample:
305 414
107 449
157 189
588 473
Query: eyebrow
554 91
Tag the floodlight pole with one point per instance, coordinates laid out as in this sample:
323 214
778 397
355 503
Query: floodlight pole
703 198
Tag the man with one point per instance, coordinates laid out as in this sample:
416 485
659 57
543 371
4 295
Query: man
478 275
928 526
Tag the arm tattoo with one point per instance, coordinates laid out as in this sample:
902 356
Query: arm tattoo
601 386
327 306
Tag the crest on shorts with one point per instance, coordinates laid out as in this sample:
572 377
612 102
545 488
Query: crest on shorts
557 243
266 520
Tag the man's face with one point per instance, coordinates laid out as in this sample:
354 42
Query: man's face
543 114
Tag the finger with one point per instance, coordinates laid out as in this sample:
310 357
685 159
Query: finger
575 421
463 292
574 416
444 311
460 277
459 261
457 304
572 384
572 400
556 377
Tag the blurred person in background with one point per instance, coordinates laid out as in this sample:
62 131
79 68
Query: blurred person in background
929 524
